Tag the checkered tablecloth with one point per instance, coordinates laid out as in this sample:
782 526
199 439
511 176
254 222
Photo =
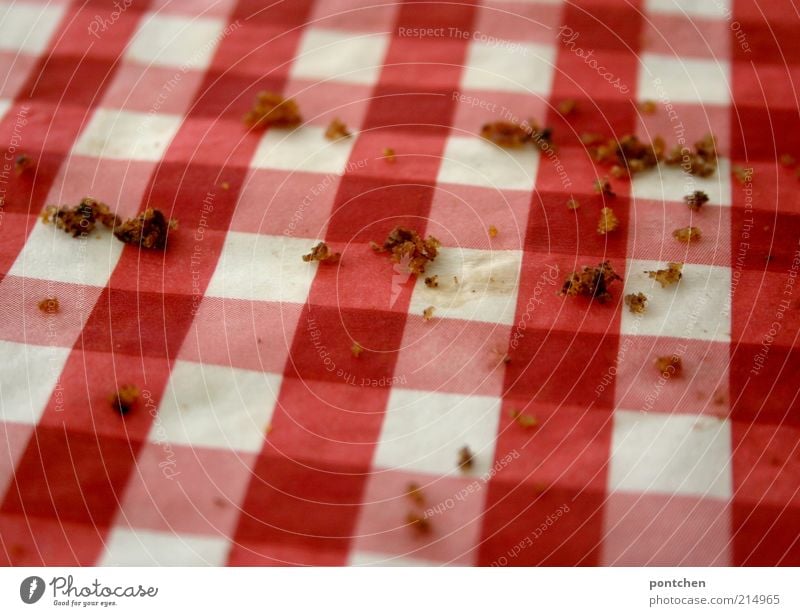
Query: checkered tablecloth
259 438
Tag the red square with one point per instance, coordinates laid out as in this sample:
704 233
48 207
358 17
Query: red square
256 49
201 495
15 437
423 14
283 12
765 535
432 64
684 36
757 137
765 241
139 324
762 389
79 80
605 75
339 422
293 507
90 379
416 160
30 541
354 15
695 121
523 527
765 465
16 228
762 313
71 477
532 22
81 33
15 67
474 108
412 109
322 101
152 88
321 349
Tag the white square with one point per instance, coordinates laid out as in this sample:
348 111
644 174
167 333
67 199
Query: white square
424 431
263 268
127 135
671 454
673 184
477 162
5 105
684 80
305 149
142 548
516 67
28 27
216 406
28 377
710 9
51 254
487 287
691 308
169 40
351 57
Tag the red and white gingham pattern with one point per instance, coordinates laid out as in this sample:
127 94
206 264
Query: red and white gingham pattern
259 438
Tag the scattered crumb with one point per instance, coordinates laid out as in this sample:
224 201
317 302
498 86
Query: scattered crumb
512 135
337 130
420 523
669 365
618 172
572 204
608 221
388 155
635 155
82 218
356 349
147 230
702 161
492 231
225 185
648 107
591 282
743 174
322 253
414 492
407 244
567 106
603 187
432 282
687 234
455 279
272 109
465 458
787 160
668 276
427 314
526 421
49 305
636 302
696 200
22 164
591 138
124 399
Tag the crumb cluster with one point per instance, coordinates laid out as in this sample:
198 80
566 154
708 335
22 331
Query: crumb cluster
668 276
608 221
696 200
407 245
124 399
323 254
272 109
687 234
337 130
148 230
49 305
466 458
512 135
700 161
591 282
82 218
636 302
669 365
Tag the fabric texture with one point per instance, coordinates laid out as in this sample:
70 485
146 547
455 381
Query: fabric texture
260 437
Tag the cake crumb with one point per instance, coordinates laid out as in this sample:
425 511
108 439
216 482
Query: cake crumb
322 254
696 200
147 230
389 155
356 349
572 204
700 161
687 234
524 420
787 160
608 221
591 282
82 218
743 174
427 314
669 365
49 305
567 106
466 458
602 186
492 231
648 107
22 163
414 492
419 523
432 282
668 276
406 245
272 109
225 185
636 302
337 130
124 399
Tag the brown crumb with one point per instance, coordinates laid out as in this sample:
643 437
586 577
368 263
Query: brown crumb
668 276
591 282
603 187
526 421
608 221
82 218
432 282
272 109
492 231
648 107
388 155
669 365
427 314
322 253
414 492
22 164
466 458
225 185
513 135
636 155
337 130
356 349
591 138
49 305
687 234
618 172
636 302
572 204
124 399
787 160
147 230
419 523
407 245
567 106
702 161
696 200
743 174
